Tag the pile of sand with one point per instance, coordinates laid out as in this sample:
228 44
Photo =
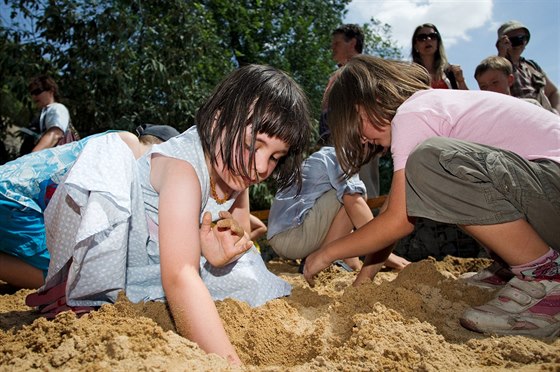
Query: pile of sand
404 322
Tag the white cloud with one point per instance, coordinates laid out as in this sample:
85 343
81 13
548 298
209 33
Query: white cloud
453 18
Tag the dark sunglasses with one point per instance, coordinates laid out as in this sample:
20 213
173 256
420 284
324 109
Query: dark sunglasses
36 91
518 40
424 37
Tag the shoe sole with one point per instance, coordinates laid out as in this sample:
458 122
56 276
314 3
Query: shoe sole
549 332
47 297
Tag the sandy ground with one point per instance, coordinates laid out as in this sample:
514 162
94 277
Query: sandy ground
399 322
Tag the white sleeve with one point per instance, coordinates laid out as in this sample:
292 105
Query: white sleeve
56 115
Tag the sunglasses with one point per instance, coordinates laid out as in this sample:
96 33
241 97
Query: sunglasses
424 37
36 91
518 40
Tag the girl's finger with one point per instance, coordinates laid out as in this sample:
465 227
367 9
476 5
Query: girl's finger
206 225
232 225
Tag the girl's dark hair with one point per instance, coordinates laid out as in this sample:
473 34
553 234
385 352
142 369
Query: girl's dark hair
379 87
440 58
44 83
270 101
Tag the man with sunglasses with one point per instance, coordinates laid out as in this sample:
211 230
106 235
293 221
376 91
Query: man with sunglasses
54 122
530 80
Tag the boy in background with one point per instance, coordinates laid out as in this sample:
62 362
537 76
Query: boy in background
495 74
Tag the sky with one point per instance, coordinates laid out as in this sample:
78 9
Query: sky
469 27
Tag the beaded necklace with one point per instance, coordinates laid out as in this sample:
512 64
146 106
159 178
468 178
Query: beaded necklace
215 194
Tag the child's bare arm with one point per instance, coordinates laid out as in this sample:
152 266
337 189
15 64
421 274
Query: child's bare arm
240 211
258 228
376 235
192 307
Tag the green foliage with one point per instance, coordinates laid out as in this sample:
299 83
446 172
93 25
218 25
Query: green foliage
378 41
385 173
124 62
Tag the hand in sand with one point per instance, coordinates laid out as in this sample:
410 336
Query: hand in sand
224 242
314 263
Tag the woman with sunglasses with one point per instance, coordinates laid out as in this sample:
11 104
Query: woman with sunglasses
428 51
55 127
530 81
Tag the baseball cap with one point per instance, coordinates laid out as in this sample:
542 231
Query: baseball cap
510 26
163 132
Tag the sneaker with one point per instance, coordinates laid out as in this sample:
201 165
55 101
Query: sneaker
494 276
522 307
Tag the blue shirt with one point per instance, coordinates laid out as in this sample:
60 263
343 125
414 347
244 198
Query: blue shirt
321 173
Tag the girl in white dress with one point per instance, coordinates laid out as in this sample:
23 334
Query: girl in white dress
141 225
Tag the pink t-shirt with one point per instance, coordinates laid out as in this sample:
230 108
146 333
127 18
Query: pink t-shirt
482 117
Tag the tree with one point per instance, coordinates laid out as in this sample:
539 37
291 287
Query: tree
126 62
379 42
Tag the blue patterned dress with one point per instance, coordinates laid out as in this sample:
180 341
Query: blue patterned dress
26 186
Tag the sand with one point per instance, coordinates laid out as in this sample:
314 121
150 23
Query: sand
400 322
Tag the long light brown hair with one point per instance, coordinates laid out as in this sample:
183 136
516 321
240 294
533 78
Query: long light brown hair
440 58
379 87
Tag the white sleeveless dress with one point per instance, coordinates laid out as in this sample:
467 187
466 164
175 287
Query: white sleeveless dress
102 230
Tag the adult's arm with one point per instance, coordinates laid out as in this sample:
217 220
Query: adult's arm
459 78
49 139
553 95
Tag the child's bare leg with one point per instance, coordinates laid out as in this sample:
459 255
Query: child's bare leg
19 273
527 304
515 242
354 263
342 226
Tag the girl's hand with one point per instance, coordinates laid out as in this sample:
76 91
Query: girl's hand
224 242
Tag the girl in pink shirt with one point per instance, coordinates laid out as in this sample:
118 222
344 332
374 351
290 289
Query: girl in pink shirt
484 161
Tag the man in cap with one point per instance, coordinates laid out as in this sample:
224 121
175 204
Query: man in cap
530 80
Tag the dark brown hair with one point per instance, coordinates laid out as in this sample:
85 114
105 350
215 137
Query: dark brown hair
44 83
270 101
351 31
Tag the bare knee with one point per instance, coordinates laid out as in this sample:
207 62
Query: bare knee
19 273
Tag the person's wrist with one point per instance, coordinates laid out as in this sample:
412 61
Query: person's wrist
327 255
